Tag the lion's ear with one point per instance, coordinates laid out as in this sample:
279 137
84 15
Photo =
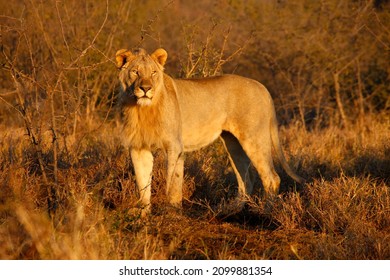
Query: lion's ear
160 55
122 56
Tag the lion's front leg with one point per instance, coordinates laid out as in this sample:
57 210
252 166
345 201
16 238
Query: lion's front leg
143 167
175 176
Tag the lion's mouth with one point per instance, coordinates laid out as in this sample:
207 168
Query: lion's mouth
144 101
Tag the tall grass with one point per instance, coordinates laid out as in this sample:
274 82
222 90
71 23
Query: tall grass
343 213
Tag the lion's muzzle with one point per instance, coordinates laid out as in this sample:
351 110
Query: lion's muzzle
144 95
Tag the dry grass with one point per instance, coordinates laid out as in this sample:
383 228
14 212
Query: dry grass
343 213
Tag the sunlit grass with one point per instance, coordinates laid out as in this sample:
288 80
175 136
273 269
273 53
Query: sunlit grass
343 212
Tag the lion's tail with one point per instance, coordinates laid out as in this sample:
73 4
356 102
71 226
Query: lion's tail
279 151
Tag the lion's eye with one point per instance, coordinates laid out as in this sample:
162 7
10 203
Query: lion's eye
154 73
134 71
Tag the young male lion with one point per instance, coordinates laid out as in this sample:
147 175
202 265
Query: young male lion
181 115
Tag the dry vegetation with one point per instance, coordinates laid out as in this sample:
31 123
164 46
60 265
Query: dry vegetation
66 184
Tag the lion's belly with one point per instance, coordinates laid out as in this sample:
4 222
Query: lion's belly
195 141
196 136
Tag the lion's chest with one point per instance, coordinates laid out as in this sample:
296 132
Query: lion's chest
141 129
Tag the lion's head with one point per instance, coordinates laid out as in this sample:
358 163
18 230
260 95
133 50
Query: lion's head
141 75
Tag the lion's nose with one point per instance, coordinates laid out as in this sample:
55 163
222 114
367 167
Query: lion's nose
145 88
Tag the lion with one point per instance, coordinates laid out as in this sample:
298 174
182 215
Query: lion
183 115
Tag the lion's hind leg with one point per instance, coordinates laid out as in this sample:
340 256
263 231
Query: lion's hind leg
260 152
242 167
